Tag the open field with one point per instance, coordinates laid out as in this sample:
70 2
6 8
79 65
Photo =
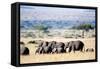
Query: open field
37 58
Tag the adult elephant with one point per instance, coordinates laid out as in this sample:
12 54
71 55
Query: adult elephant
39 50
44 47
40 43
53 46
47 47
75 46
39 47
24 50
59 48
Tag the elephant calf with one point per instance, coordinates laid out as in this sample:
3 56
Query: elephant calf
89 50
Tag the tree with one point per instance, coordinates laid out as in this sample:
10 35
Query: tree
85 27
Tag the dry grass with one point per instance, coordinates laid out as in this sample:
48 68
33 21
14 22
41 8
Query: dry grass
37 58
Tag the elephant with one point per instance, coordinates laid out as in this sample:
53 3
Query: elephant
44 47
75 46
89 50
47 47
31 42
22 43
54 50
52 44
39 50
24 50
59 48
40 43
45 43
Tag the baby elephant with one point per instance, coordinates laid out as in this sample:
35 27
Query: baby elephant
89 50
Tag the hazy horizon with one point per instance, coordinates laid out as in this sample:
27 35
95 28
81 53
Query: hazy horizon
60 17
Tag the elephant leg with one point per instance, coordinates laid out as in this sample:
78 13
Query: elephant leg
41 51
67 50
73 49
70 48
82 49
54 50
59 50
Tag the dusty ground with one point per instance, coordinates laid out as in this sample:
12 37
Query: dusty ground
36 58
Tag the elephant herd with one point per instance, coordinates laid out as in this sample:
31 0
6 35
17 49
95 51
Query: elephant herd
59 47
45 47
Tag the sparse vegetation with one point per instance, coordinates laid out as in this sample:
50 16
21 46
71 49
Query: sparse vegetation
85 27
41 29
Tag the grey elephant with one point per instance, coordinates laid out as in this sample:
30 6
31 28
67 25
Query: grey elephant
24 50
40 43
39 50
31 42
44 47
75 46
53 47
89 50
59 48
47 47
